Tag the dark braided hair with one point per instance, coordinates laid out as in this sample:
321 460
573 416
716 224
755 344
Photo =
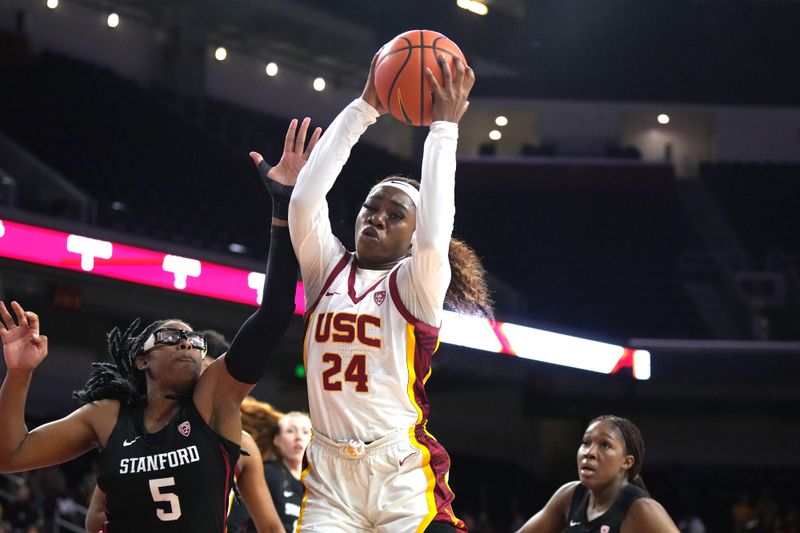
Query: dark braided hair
119 379
468 293
634 445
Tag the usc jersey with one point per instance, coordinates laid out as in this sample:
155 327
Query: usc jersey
367 358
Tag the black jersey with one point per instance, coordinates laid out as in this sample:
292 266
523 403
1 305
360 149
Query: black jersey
177 479
608 522
286 491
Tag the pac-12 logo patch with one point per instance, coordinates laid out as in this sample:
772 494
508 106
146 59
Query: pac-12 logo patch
185 428
379 296
604 529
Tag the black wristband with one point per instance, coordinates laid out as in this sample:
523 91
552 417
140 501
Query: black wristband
279 192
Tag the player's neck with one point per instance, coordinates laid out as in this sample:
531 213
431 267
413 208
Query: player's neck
158 411
603 498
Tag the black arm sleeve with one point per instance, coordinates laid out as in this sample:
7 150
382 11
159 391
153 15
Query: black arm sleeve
258 336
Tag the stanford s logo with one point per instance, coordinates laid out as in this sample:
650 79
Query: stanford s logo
185 428
604 529
379 296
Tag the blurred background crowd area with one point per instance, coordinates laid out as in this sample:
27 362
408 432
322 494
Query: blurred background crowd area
594 215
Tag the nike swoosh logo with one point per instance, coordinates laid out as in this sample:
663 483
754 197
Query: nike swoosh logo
127 442
403 460
572 523
331 293
288 494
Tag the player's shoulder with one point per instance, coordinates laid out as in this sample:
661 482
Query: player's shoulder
567 489
248 440
250 446
562 498
646 514
101 408
101 416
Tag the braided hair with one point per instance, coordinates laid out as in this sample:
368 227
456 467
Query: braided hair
634 445
468 292
119 379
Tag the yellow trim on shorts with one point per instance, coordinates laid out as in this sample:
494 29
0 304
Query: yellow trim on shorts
303 474
411 343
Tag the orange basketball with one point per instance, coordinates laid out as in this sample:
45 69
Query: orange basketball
400 73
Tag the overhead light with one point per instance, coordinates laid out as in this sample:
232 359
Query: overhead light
319 84
473 6
272 69
220 53
501 121
113 20
663 118
52 4
495 135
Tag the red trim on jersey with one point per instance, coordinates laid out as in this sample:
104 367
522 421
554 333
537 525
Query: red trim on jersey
419 326
440 465
351 285
335 272
426 340
226 458
398 303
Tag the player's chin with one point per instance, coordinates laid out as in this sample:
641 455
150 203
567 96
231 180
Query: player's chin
369 249
188 374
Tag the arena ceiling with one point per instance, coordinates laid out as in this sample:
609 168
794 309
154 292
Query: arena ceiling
720 51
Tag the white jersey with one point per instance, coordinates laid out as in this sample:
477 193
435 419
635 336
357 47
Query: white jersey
373 355
371 334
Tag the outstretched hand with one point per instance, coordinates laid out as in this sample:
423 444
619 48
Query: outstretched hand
295 154
23 347
450 98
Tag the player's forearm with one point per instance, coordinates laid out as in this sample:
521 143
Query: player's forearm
264 515
329 156
435 216
246 358
436 212
13 395
309 224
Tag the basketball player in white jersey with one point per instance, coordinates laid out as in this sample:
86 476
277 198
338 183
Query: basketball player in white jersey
373 322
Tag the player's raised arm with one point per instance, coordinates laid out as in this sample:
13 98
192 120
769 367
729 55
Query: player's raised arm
24 348
227 381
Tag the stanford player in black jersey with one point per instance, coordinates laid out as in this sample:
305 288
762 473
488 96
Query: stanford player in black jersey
610 496
249 478
168 437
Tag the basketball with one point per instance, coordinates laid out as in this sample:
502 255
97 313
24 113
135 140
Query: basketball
400 73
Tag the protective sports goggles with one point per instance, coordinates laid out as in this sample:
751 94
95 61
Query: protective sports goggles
173 336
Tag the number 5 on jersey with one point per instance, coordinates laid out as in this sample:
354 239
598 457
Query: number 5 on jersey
356 372
170 498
